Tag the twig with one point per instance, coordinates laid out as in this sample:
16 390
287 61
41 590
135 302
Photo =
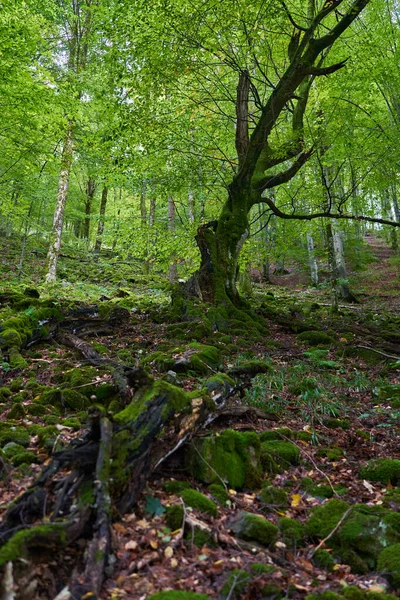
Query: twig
380 352
210 467
313 463
334 530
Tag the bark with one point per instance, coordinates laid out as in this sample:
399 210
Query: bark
332 268
90 190
62 194
173 270
143 207
312 260
191 207
340 264
100 227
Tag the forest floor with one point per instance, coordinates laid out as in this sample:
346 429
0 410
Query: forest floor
328 400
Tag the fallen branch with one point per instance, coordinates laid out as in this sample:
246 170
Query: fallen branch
328 537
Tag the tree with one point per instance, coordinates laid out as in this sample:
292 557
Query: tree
221 241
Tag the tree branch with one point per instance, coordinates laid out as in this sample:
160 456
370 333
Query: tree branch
242 115
326 214
318 71
284 176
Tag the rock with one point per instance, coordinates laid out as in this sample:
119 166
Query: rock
255 528
389 562
231 456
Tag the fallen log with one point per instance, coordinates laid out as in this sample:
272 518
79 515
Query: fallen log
97 478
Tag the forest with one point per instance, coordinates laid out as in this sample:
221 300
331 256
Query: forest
199 300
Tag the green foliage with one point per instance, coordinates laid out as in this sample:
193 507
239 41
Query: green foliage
196 500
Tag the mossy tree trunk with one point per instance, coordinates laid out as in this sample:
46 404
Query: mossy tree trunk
220 242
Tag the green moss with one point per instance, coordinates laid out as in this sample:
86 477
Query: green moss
389 563
72 422
255 528
337 423
272 591
235 585
219 493
15 360
19 435
11 449
175 487
199 538
64 399
291 530
36 410
174 516
16 412
380 596
332 454
276 434
324 560
283 453
232 456
28 540
16 384
197 500
325 518
352 592
178 595
250 368
219 384
5 393
305 436
274 496
24 458
382 470
316 338
199 358
389 393
261 569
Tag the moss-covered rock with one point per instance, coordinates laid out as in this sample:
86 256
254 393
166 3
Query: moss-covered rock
282 453
42 536
382 470
24 458
324 560
175 487
197 500
274 497
64 399
292 531
219 493
250 368
276 434
36 410
12 449
361 536
255 528
352 592
232 456
198 358
174 516
5 393
16 412
316 338
11 433
389 564
72 422
235 584
219 385
332 454
333 423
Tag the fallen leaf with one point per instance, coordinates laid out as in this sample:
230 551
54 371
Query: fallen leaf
168 552
132 545
296 499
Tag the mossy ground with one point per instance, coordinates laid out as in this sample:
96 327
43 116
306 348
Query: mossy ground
302 385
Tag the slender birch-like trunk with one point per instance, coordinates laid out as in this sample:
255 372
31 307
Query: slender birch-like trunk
312 260
173 271
62 194
90 190
100 227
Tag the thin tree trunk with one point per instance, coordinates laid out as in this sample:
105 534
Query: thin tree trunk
143 207
173 270
100 227
62 194
332 268
191 207
312 260
90 190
